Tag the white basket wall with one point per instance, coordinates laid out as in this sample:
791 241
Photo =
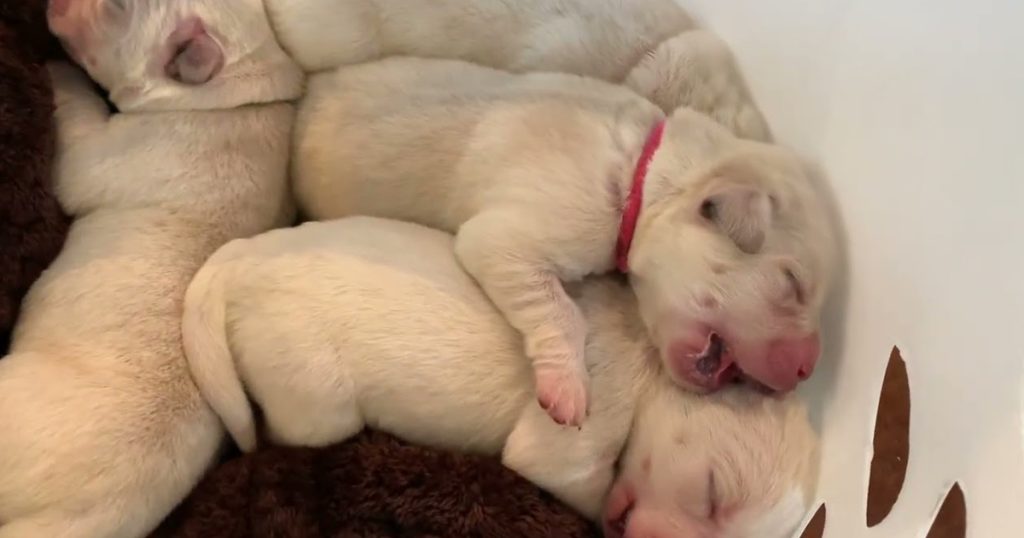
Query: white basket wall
914 112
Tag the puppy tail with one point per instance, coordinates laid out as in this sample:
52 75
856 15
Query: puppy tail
204 335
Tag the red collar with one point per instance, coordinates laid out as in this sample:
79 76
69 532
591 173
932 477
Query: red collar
631 211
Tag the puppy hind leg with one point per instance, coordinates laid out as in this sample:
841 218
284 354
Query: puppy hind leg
696 69
559 45
307 396
302 420
312 418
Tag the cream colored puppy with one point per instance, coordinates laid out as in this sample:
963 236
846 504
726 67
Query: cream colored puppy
548 177
367 322
649 45
102 431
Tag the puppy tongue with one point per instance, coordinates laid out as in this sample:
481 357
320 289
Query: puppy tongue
729 374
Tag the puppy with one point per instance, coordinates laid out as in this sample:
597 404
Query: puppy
103 431
649 45
367 322
548 177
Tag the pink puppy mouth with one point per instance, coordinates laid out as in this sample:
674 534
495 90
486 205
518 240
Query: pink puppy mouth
710 367
714 361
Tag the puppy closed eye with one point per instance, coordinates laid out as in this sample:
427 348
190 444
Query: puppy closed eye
712 496
796 287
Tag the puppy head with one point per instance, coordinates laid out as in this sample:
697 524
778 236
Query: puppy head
734 464
732 258
176 54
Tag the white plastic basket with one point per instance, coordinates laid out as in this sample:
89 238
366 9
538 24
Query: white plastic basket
914 111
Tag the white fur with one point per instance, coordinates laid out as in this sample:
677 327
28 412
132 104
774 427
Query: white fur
779 520
103 431
334 326
532 171
649 45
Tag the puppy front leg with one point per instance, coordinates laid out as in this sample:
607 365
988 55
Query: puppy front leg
508 262
80 113
83 141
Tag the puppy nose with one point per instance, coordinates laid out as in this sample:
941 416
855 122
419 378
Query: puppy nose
793 359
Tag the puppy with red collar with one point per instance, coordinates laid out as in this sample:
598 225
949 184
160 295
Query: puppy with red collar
547 177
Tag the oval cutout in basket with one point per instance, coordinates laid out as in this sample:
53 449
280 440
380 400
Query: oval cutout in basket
816 527
951 521
891 441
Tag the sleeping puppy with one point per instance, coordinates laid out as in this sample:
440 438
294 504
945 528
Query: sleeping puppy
103 431
649 45
334 326
730 465
549 177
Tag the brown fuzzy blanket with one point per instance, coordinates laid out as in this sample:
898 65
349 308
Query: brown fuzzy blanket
373 486
32 227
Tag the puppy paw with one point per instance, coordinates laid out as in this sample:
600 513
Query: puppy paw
74 95
562 393
69 82
79 111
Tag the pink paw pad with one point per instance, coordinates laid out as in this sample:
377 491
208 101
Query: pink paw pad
562 396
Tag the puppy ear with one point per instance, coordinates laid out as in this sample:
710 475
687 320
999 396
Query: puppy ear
195 56
742 212
699 135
